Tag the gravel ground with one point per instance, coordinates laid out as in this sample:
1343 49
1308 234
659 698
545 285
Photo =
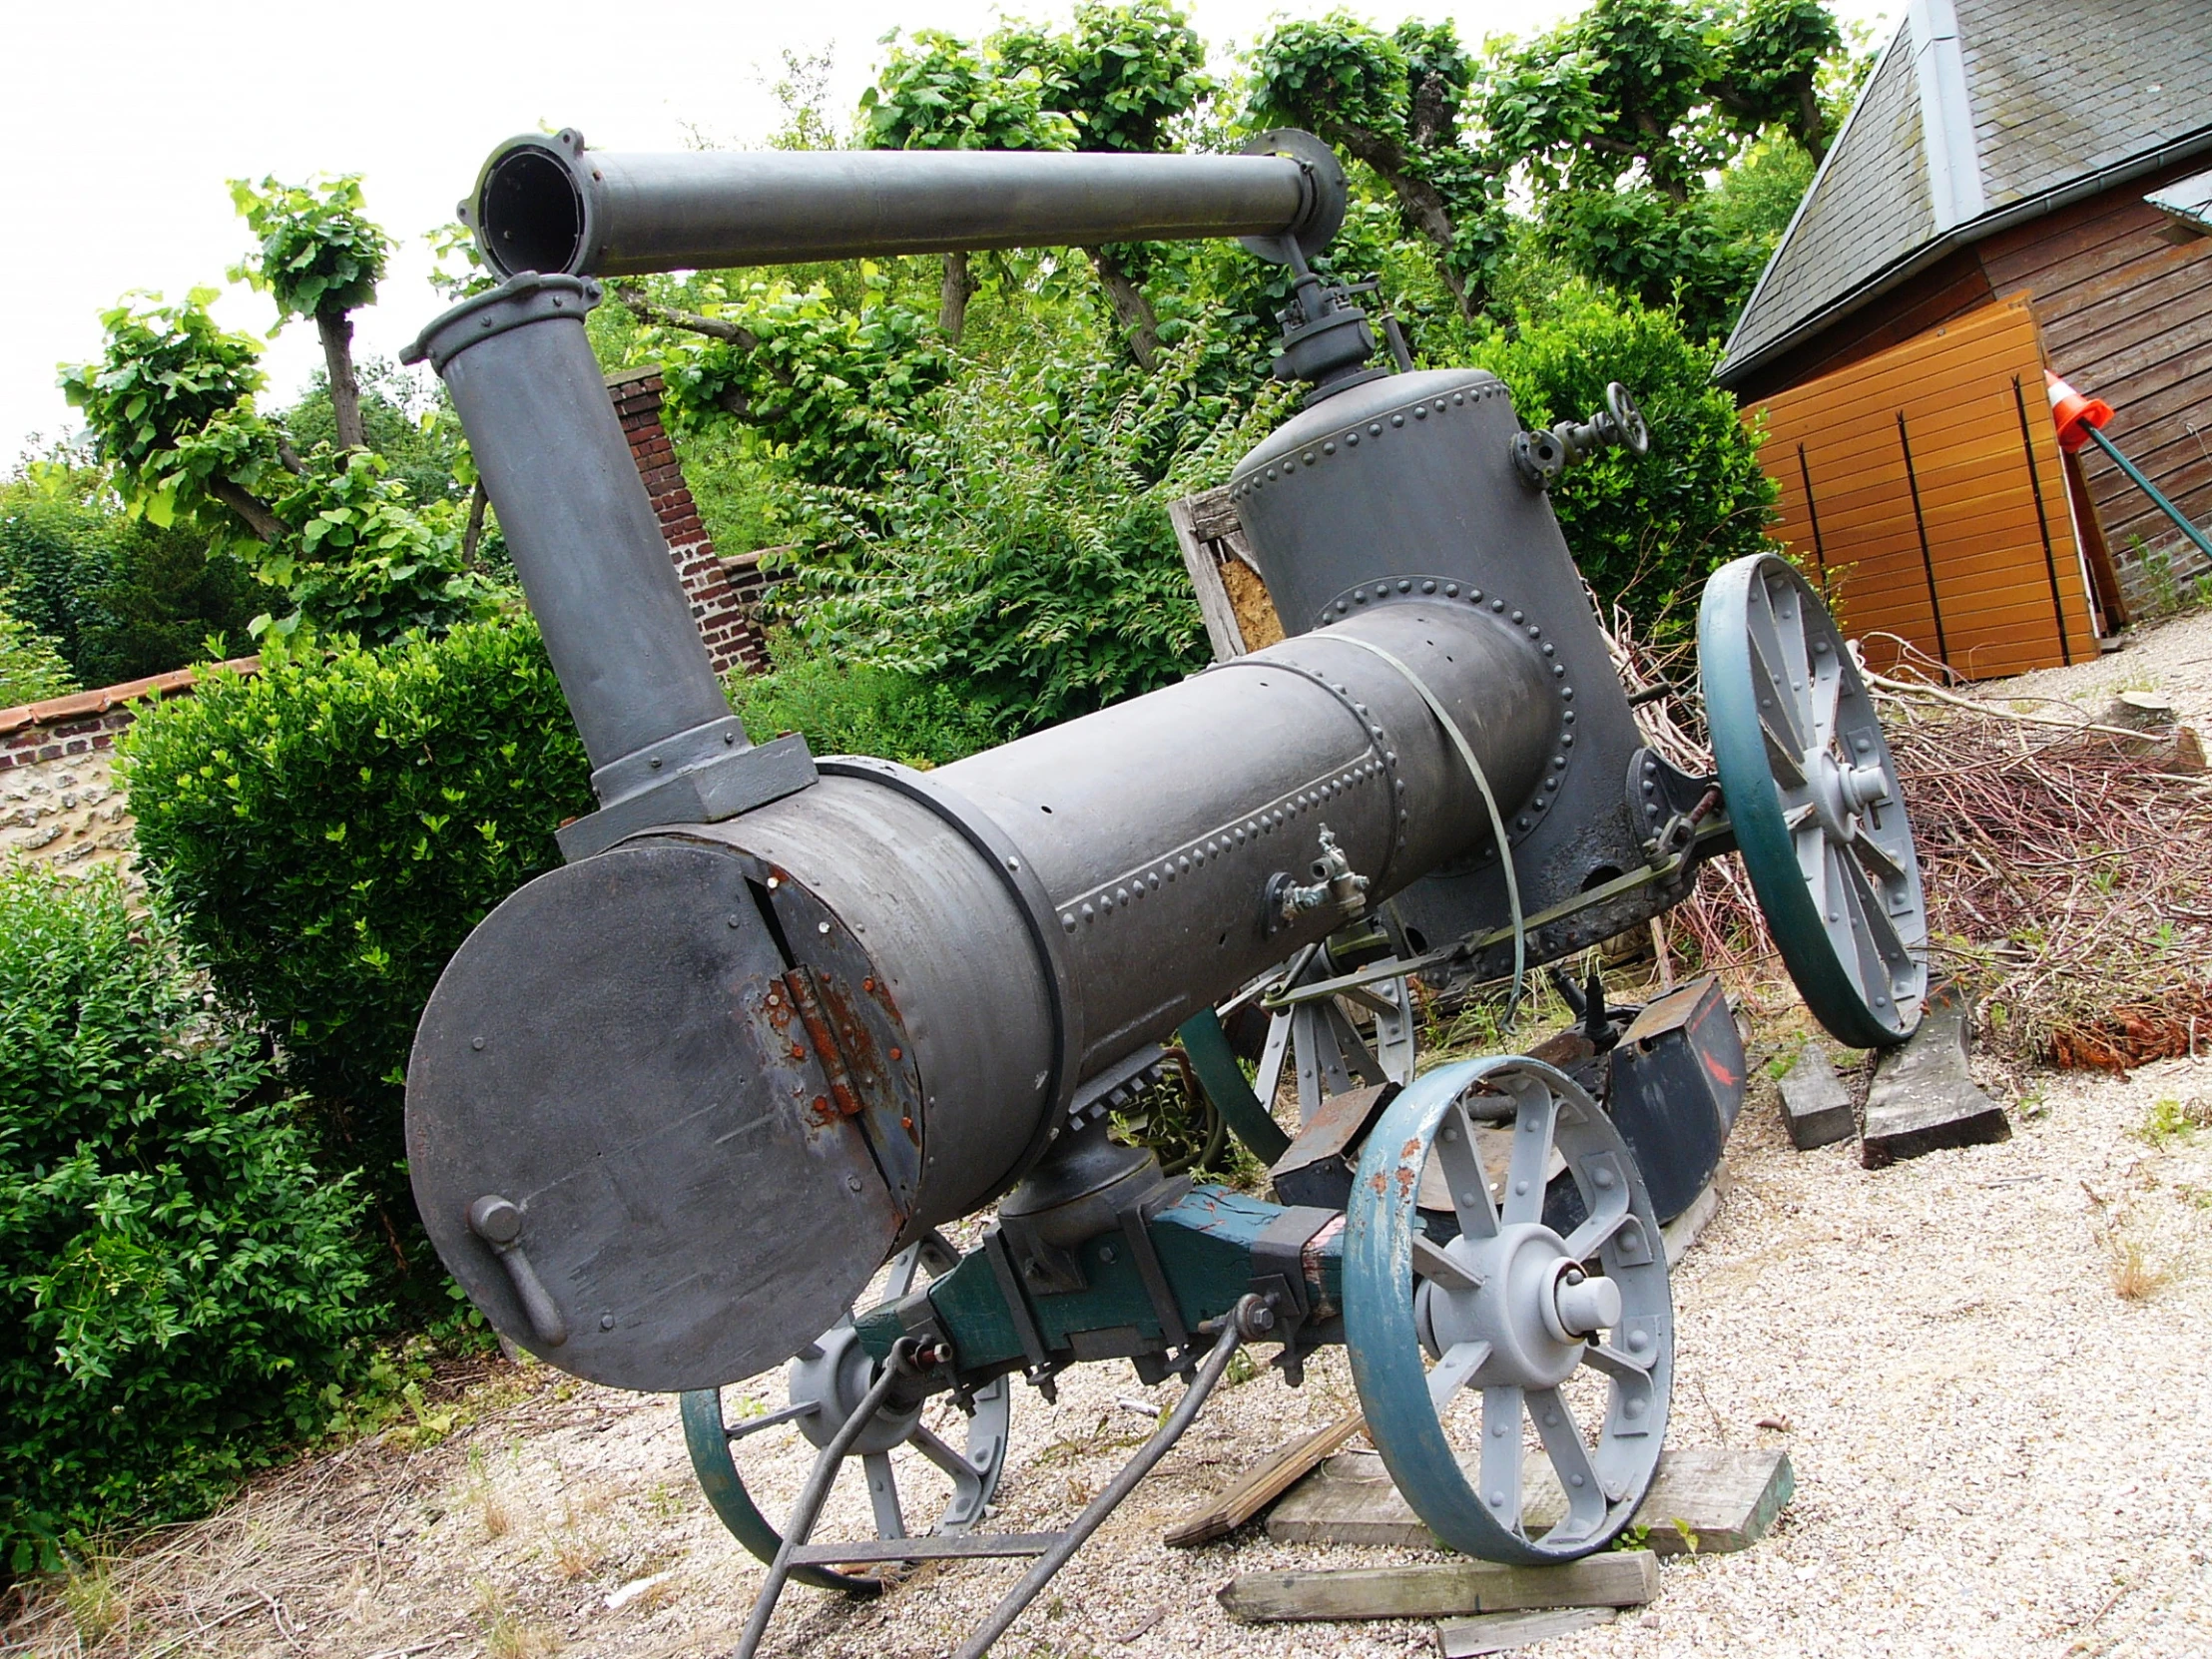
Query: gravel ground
1991 1363
2174 656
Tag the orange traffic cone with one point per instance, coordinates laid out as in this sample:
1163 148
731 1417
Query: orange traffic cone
2075 414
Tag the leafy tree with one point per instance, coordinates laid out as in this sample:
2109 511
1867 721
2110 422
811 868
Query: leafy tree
171 413
119 596
1126 76
942 93
170 410
1615 122
31 664
1392 103
320 257
1025 556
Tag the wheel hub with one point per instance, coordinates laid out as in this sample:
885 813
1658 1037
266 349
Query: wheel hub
1535 1307
833 1374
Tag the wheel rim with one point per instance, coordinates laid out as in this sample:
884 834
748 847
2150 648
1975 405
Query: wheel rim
1519 1329
825 1385
1814 802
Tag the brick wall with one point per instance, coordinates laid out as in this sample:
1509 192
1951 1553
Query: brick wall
59 802
723 592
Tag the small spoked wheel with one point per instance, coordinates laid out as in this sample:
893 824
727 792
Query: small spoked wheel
1814 797
828 1381
1458 1349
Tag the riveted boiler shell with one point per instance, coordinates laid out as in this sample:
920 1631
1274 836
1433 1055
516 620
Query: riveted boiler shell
604 1052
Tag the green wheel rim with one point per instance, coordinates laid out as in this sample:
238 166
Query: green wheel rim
1814 797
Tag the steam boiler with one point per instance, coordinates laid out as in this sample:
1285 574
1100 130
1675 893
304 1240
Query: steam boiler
782 1018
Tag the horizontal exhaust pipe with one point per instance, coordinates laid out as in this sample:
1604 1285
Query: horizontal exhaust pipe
547 204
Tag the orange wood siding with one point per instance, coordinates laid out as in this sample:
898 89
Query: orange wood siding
1993 582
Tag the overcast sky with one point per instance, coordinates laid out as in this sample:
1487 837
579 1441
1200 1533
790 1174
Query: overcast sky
122 119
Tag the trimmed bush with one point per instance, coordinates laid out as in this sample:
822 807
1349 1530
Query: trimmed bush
1646 532
845 708
179 1287
329 832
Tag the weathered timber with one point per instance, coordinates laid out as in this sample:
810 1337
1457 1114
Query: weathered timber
1186 516
1505 1632
1262 1484
1922 1098
1687 1228
1447 1589
1726 1497
1815 1107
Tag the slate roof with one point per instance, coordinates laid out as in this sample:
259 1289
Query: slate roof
1980 113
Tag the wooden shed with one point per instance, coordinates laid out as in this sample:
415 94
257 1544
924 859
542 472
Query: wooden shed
1987 213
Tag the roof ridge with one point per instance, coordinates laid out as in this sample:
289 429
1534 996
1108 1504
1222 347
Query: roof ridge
1954 190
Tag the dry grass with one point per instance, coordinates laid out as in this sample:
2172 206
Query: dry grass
2134 1277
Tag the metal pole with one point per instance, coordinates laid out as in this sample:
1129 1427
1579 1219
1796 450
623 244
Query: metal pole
2150 490
2042 522
1928 559
1107 1501
1813 512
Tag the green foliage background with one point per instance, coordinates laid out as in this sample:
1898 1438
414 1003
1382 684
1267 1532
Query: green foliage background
182 1281
327 833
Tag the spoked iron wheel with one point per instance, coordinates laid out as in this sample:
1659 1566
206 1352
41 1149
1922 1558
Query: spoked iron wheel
828 1381
1457 1347
1814 797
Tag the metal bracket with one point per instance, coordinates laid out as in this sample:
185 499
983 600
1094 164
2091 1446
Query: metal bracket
1278 1275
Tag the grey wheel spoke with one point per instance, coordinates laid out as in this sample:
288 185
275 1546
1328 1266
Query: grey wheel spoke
1791 651
1616 1364
1532 1160
1588 1239
1570 1458
1827 687
882 1494
1881 950
1875 859
1776 699
1780 756
1836 914
1268 1083
1463 1172
903 1268
1439 1266
787 1413
925 1442
1453 1371
1501 1455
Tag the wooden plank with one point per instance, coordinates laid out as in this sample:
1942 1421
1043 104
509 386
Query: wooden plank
1262 1484
1506 1633
1214 514
1213 599
1727 1497
1622 1578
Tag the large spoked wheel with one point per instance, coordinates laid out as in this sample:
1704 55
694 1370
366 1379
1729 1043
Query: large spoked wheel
828 1381
1814 797
1458 1349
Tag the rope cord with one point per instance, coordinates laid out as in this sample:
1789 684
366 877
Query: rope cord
1489 801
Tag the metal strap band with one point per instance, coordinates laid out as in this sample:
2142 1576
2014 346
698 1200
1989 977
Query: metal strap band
1038 914
1489 801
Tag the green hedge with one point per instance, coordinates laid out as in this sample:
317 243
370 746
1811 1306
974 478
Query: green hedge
846 707
1646 532
329 832
179 1287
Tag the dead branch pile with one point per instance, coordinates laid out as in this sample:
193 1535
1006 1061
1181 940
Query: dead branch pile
2068 875
2069 871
